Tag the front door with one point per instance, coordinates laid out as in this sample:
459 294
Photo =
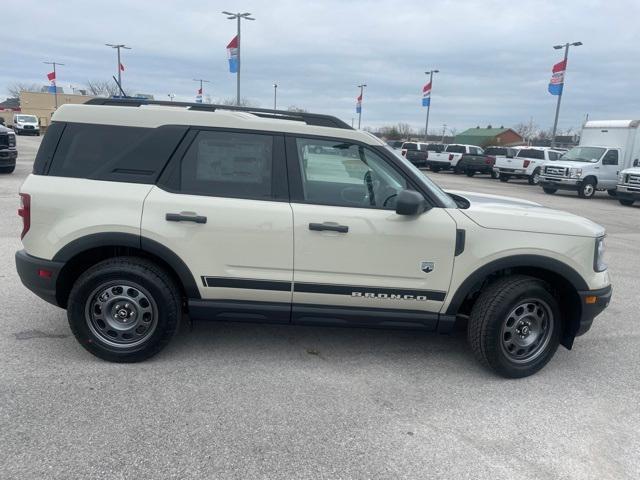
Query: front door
608 176
351 250
222 207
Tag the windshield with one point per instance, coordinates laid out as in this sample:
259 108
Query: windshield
531 153
584 154
428 183
26 118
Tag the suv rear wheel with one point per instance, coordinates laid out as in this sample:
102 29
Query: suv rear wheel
124 309
515 326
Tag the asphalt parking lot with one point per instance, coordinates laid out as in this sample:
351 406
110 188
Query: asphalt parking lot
254 401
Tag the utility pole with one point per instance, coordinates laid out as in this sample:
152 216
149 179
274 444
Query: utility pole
275 95
360 98
444 131
118 47
201 92
430 86
55 80
238 16
566 56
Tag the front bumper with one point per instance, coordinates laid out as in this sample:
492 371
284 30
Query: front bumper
593 303
561 183
8 157
628 192
27 131
441 165
39 275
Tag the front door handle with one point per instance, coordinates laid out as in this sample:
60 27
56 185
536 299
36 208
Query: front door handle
185 217
329 226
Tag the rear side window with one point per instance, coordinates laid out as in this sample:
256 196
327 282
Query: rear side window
531 153
228 164
496 151
108 152
456 149
85 148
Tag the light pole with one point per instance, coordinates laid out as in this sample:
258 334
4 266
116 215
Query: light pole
171 96
566 56
430 86
118 47
444 131
55 86
200 92
275 95
360 98
238 16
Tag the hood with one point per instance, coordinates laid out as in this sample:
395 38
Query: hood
4 129
565 164
506 213
632 170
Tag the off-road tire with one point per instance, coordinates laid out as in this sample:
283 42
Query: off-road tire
503 178
470 173
549 191
534 178
159 286
491 312
626 202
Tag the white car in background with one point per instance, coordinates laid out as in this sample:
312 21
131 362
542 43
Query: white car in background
527 164
26 124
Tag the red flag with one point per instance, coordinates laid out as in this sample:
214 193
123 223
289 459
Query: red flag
51 76
560 66
122 67
233 43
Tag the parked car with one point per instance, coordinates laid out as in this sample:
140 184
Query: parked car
195 210
605 149
527 164
26 124
415 152
451 156
395 144
8 150
628 190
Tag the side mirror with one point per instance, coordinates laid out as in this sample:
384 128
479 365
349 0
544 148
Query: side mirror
410 202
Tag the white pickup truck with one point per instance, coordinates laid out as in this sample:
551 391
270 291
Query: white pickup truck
451 156
526 164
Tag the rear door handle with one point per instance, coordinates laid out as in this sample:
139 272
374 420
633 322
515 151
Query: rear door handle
329 226
184 217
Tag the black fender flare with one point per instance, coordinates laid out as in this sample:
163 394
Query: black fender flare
116 239
515 261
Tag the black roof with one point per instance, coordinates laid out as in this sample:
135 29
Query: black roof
309 118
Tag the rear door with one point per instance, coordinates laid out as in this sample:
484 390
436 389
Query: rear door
355 259
222 207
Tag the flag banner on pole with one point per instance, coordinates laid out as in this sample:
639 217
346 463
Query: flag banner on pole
199 96
121 67
426 95
557 78
232 55
52 78
359 104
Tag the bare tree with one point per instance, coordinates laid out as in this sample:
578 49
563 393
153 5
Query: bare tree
102 88
15 88
526 130
405 130
244 102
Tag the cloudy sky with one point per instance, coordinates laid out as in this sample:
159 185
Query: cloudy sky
494 56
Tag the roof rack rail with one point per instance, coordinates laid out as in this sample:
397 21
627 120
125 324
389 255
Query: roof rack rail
314 119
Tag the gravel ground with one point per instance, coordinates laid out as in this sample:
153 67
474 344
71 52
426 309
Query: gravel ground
251 401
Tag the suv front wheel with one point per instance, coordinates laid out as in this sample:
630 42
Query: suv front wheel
515 326
124 309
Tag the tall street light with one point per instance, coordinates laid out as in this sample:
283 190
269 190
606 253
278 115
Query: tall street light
200 91
275 95
55 85
120 67
239 17
427 89
566 56
359 105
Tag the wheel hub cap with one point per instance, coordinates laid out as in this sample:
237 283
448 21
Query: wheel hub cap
527 330
121 315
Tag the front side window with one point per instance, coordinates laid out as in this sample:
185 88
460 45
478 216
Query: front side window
611 158
344 174
228 164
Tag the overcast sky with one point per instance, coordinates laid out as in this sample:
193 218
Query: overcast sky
495 56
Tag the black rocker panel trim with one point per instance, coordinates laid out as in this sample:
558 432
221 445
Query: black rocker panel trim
251 284
240 311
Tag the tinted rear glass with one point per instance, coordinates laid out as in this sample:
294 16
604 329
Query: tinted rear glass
455 149
495 151
84 149
410 146
531 153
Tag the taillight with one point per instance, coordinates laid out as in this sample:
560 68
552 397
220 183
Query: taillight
403 152
526 163
25 212
450 156
490 160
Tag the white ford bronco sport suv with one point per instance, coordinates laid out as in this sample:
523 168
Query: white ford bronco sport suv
138 212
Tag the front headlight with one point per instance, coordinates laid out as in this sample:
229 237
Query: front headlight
575 172
620 177
599 264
